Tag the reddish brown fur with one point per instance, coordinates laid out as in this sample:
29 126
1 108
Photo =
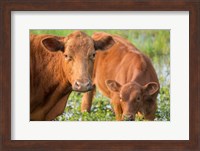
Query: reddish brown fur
59 65
128 70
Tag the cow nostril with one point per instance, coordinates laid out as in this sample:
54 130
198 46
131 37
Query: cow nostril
77 85
88 84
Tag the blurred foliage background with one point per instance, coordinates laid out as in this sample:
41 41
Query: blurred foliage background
156 45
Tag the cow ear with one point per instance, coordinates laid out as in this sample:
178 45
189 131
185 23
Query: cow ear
151 88
53 44
102 41
113 85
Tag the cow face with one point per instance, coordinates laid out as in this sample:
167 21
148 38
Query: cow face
78 51
134 97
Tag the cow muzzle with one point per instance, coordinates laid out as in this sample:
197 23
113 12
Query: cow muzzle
128 117
82 85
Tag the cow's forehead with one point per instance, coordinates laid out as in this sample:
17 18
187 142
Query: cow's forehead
131 88
79 43
78 36
132 85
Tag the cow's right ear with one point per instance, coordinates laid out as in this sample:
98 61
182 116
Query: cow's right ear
53 44
102 41
113 85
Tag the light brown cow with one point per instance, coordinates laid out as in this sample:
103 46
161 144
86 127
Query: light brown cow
127 76
59 65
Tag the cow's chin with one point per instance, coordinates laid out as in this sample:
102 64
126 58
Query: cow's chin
82 90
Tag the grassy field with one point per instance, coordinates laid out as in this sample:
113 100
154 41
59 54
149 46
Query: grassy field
156 45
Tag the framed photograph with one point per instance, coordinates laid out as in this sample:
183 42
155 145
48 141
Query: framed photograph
88 75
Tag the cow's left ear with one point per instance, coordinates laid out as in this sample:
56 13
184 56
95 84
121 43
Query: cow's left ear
53 44
151 88
102 41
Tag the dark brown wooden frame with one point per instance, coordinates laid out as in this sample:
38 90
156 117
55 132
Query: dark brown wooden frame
7 6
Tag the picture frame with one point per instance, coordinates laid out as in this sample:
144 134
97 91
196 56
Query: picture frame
6 7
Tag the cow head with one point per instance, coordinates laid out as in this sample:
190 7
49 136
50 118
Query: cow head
134 97
78 54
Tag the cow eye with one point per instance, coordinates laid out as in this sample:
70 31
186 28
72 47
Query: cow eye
138 99
68 58
92 56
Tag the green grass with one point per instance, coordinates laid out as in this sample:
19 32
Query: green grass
101 109
155 44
